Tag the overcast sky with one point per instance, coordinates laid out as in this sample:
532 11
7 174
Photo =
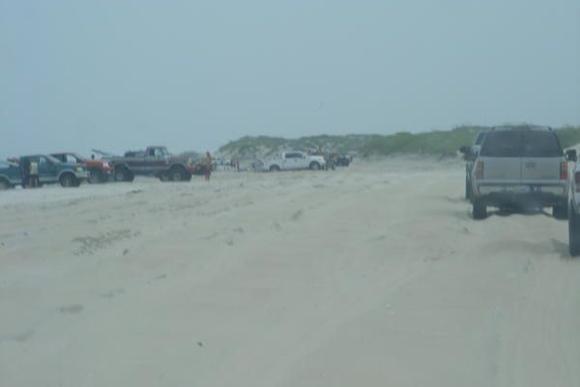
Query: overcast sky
189 74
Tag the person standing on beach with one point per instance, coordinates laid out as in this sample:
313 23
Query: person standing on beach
25 171
33 175
208 166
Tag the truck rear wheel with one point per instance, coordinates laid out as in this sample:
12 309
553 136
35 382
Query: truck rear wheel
178 173
274 168
123 174
560 212
479 210
4 185
467 189
314 166
573 233
68 180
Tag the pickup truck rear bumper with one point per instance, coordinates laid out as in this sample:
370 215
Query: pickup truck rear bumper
536 194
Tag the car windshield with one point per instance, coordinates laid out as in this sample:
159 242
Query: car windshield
502 144
521 143
78 158
160 152
53 159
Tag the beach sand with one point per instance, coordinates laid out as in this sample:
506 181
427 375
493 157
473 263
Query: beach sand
374 275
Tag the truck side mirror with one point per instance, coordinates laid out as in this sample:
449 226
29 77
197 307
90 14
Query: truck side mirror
571 155
467 153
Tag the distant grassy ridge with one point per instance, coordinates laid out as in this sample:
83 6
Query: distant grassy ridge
435 143
569 136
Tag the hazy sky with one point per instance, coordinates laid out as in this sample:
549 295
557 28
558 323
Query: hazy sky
122 74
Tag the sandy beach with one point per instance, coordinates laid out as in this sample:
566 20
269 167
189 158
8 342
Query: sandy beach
374 275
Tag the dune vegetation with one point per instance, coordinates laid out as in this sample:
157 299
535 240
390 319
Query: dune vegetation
435 143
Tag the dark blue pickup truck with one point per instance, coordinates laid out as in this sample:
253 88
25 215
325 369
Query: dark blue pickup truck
53 171
50 171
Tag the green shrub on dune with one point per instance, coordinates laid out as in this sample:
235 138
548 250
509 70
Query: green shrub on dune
435 143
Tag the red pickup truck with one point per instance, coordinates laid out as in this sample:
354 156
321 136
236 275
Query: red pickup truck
100 171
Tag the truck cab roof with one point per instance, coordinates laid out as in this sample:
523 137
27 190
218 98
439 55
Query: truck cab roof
522 128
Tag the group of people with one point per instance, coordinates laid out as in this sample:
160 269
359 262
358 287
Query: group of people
208 164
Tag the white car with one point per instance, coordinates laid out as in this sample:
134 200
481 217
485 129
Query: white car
288 161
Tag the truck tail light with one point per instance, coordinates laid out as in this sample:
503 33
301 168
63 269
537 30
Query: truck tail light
564 170
479 168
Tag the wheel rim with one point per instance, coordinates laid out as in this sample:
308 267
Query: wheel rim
176 176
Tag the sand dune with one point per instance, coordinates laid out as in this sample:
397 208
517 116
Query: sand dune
374 275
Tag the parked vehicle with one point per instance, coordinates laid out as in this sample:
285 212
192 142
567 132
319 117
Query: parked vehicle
470 153
99 171
257 165
287 161
520 166
153 161
343 160
334 160
574 207
10 175
52 171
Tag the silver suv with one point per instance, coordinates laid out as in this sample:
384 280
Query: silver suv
520 166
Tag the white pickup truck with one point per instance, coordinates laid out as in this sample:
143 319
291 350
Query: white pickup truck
288 161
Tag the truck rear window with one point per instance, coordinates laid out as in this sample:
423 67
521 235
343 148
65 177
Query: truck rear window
541 144
502 144
521 144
